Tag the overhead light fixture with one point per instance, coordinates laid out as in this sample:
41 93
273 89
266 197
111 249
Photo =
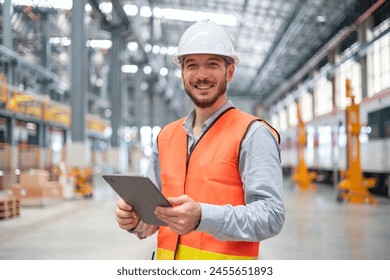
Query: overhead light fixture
321 18
99 44
156 49
145 11
132 46
105 7
147 69
130 10
62 41
129 68
164 71
148 48
88 8
187 15
178 14
163 50
172 50
55 4
144 86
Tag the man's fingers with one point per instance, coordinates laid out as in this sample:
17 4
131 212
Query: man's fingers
178 200
165 212
121 204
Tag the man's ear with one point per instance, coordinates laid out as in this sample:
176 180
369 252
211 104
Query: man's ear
230 72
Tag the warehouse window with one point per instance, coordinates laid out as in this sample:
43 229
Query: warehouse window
379 123
379 56
283 120
311 131
292 114
306 103
275 121
323 97
350 69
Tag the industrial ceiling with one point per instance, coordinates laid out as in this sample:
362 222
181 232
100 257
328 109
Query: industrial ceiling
273 38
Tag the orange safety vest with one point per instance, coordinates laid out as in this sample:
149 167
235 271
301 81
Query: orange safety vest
211 175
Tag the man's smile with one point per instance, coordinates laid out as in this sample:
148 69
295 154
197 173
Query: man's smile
203 87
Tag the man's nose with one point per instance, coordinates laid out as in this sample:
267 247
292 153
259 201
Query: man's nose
203 72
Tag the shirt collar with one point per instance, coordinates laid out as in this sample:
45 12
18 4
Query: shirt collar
189 121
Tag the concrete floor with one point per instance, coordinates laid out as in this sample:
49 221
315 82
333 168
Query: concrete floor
317 228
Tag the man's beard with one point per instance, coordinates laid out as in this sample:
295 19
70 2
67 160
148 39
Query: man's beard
210 101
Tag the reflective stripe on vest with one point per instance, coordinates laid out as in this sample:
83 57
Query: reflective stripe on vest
210 176
189 253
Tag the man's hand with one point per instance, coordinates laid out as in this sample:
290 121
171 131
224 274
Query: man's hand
125 216
183 217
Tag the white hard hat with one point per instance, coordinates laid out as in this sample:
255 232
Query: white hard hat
205 38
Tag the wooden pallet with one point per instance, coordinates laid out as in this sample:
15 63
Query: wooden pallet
9 207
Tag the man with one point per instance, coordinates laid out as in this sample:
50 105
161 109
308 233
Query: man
219 167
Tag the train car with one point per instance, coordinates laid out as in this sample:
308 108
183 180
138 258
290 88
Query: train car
326 151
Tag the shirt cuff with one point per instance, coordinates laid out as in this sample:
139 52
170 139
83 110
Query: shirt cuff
212 218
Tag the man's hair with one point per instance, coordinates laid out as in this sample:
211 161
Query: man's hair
228 60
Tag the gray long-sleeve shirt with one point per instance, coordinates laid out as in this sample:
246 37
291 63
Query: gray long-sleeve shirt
260 168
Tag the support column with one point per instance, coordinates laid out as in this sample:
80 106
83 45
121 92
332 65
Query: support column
78 153
118 155
11 140
8 10
332 58
364 32
42 131
46 52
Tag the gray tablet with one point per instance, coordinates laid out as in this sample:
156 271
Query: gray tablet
141 193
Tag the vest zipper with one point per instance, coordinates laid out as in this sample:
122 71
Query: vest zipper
188 160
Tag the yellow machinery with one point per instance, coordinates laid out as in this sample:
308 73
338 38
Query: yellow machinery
57 113
25 104
33 105
3 89
82 181
354 187
302 177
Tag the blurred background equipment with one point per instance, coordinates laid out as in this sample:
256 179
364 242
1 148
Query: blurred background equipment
82 181
354 187
302 176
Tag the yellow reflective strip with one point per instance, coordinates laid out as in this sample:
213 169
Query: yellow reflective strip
189 253
163 254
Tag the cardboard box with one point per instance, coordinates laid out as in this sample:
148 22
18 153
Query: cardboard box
34 178
7 179
38 196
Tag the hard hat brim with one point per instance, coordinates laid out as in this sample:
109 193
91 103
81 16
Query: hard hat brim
178 58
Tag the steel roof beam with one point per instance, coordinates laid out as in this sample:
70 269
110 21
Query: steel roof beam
269 63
